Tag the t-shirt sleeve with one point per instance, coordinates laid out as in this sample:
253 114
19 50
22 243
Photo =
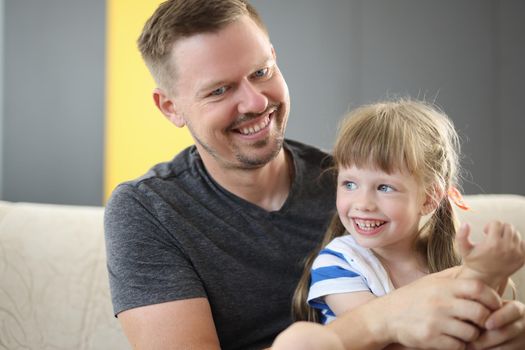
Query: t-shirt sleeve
332 273
146 265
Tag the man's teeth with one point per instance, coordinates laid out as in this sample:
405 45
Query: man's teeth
255 128
369 224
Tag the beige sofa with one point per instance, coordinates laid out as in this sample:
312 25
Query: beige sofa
53 280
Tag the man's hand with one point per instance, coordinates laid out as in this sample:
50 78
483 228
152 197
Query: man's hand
438 312
505 329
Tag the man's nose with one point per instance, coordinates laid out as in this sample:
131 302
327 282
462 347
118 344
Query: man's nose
251 100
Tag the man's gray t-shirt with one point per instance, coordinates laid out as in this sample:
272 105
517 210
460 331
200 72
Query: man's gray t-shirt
176 234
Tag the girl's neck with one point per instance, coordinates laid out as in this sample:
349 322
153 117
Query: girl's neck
403 266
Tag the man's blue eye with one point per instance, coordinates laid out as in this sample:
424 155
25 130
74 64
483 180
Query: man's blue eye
385 188
260 73
220 91
350 185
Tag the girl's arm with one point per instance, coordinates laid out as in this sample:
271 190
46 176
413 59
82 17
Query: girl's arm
500 253
343 302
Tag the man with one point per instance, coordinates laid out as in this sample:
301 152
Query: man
204 252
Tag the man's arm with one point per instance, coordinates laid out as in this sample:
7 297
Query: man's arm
437 311
138 247
181 324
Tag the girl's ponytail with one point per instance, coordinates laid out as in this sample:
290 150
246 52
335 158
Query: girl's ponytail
440 236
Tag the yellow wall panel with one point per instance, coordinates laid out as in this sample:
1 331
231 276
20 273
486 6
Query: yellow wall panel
137 134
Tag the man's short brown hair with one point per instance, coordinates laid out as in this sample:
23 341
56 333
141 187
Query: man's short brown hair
176 19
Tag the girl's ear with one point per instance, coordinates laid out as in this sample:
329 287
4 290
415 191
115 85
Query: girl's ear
432 200
167 106
428 207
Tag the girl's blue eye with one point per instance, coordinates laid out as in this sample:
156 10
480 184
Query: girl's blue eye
350 185
385 188
220 91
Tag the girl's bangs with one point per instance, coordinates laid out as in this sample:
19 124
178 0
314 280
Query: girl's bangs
379 141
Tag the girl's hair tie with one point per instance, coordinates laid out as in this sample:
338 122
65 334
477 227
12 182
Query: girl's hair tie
455 196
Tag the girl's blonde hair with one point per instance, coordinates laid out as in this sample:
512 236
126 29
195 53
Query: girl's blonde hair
390 136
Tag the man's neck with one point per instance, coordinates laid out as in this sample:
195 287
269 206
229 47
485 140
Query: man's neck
267 186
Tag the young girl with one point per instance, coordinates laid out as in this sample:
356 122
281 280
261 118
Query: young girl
397 165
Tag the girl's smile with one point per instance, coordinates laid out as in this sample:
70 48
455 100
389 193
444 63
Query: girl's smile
368 227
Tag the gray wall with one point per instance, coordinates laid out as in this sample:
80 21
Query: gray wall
335 54
1 95
54 101
466 55
510 115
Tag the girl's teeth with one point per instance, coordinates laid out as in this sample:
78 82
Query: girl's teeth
369 224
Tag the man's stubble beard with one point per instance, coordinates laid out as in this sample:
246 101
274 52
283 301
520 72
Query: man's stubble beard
248 162
245 161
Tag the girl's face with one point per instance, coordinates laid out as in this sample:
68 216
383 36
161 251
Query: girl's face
382 211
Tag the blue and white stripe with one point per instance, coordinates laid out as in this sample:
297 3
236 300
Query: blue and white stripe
345 267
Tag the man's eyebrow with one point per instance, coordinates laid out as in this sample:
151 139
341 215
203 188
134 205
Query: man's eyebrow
205 87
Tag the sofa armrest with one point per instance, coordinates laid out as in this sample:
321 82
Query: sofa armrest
54 289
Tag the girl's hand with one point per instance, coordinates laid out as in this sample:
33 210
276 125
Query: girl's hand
496 257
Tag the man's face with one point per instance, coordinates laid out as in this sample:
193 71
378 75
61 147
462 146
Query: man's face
231 95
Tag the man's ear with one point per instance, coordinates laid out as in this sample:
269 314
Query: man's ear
167 106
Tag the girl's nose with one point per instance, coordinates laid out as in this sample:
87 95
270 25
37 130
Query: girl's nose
364 202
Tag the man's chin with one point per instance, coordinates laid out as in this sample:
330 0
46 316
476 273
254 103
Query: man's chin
260 157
